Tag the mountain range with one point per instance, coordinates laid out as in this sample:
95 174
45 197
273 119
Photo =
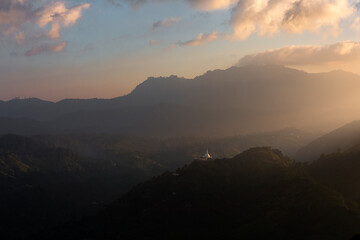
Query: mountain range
128 168
219 103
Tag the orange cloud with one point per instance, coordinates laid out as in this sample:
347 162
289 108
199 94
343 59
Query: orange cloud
340 52
201 39
266 17
57 15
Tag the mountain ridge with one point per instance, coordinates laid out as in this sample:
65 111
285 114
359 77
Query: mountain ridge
233 101
340 139
233 68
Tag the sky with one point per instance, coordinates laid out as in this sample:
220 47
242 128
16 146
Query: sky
56 49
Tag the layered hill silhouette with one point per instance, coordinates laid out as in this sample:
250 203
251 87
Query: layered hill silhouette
259 194
338 140
43 185
83 154
218 103
340 171
48 180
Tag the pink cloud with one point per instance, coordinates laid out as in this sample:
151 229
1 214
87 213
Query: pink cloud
57 15
154 42
211 5
15 14
39 49
202 5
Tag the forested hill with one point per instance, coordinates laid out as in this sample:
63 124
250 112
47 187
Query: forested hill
259 194
74 175
43 185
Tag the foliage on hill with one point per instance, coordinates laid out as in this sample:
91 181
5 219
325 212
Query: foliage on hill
259 194
47 181
43 185
340 171
75 174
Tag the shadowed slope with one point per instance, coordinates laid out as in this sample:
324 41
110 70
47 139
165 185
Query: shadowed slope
258 194
341 138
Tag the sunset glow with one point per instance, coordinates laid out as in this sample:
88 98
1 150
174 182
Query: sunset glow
55 49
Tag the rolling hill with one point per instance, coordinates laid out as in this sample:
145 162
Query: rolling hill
259 194
48 180
43 185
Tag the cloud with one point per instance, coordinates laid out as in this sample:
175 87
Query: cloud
202 5
13 14
166 23
201 39
115 2
267 17
133 3
20 38
307 55
169 47
153 42
211 5
18 16
54 48
356 24
56 14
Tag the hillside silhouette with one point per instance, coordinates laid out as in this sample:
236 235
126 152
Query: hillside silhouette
78 177
48 180
43 185
259 194
233 101
128 168
340 139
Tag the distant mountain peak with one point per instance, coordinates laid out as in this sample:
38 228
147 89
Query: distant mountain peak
237 100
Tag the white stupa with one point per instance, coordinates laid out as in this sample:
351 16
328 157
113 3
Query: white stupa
207 156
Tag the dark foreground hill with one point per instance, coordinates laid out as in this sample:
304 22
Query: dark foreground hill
43 185
48 180
340 171
219 103
259 194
